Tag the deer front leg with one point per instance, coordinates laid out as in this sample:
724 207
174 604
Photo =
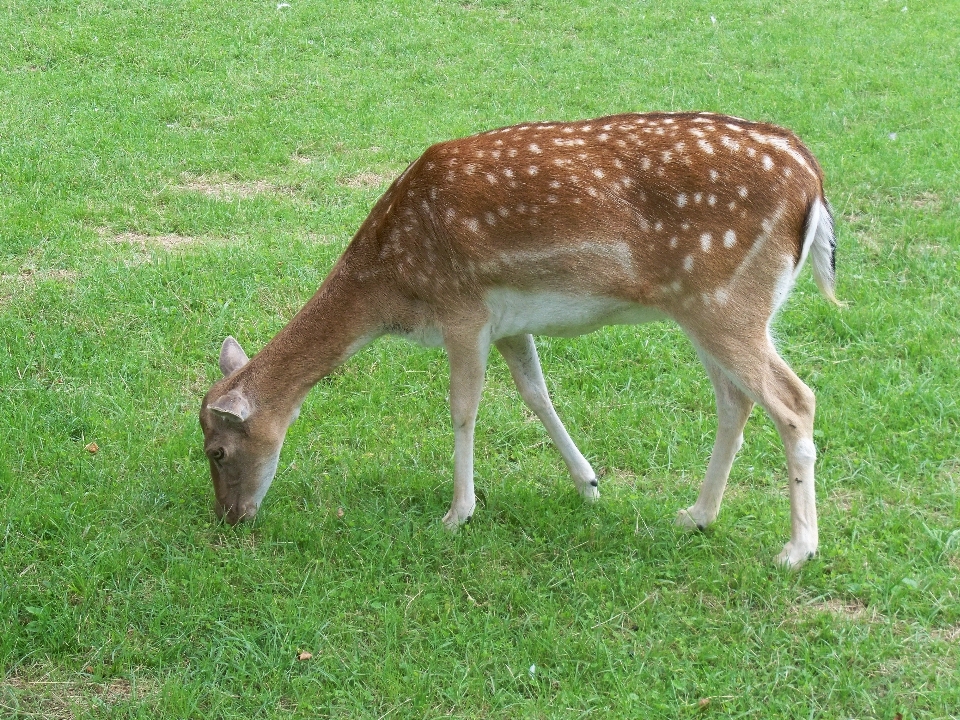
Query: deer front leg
467 353
521 356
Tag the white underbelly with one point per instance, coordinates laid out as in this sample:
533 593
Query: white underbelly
513 312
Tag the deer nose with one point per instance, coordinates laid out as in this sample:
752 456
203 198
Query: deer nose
236 513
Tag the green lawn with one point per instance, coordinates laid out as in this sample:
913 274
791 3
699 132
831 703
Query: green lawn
174 172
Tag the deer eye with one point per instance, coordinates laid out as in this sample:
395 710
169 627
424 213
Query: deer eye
217 455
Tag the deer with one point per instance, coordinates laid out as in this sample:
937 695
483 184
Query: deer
558 229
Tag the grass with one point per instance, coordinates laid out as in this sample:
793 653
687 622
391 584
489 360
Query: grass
174 172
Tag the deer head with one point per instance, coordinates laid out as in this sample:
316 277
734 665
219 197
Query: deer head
242 440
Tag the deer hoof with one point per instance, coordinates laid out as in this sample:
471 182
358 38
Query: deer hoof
686 521
793 556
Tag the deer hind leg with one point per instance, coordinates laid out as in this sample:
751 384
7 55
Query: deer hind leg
467 352
733 409
521 356
757 369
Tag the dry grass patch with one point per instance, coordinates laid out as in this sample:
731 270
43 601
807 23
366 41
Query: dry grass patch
365 180
11 284
30 275
223 189
853 610
142 240
55 699
926 201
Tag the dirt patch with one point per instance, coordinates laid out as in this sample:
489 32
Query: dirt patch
143 241
842 500
222 189
926 201
853 610
364 181
928 248
58 699
11 284
949 634
319 239
31 276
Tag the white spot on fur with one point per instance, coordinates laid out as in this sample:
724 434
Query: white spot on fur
767 163
705 146
714 175
598 173
472 224
681 200
729 239
742 191
705 241
534 148
688 263
532 170
711 200
729 142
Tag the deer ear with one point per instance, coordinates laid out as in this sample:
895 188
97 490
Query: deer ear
232 406
232 356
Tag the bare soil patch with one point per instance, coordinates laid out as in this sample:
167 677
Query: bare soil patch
33 276
13 283
853 610
142 240
225 189
365 180
926 201
57 699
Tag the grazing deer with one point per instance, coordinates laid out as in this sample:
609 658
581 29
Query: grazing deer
559 229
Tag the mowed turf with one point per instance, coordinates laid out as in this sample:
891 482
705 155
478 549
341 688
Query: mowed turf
174 172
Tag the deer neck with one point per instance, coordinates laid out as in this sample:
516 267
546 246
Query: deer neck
338 321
